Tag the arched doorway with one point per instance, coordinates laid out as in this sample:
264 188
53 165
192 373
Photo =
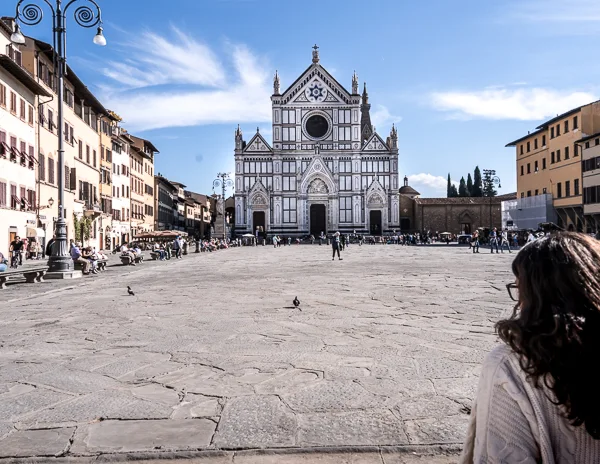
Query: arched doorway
375 222
318 219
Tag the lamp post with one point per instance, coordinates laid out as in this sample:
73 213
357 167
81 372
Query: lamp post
224 181
491 179
87 15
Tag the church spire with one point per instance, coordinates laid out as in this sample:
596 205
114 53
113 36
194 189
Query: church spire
239 138
366 128
315 54
354 84
276 87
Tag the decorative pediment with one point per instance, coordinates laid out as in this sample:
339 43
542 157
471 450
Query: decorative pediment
258 189
317 86
376 194
375 143
317 170
258 145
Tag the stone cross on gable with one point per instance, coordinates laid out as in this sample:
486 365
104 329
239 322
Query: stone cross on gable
257 144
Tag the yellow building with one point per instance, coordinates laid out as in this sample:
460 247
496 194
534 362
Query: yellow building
549 162
146 151
591 181
82 146
106 187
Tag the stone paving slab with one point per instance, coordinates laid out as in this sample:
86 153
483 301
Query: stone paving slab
140 436
385 349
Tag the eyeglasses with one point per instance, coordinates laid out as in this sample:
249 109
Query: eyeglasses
513 291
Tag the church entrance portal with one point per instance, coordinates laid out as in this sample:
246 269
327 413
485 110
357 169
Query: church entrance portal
375 222
258 220
318 220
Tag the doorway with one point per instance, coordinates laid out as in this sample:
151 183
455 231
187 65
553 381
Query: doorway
465 227
258 221
375 222
318 220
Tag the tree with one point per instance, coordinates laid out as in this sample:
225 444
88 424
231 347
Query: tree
469 186
462 188
488 186
449 188
477 183
453 192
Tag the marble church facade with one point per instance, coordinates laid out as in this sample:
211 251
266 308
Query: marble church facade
327 169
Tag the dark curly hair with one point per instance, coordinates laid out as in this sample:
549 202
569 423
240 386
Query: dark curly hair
555 326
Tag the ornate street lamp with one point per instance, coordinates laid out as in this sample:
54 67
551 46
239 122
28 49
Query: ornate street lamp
86 15
491 178
224 181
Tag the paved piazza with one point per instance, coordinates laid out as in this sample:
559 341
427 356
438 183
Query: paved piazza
210 354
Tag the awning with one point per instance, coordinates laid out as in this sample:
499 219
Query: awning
31 232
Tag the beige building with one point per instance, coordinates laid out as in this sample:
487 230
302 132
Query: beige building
146 151
106 192
82 146
591 181
19 92
549 161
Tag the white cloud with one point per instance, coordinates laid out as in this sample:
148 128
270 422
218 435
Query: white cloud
381 117
509 103
436 184
558 11
233 88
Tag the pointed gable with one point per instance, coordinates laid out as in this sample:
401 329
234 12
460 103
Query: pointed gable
258 145
375 143
317 168
376 195
258 194
335 91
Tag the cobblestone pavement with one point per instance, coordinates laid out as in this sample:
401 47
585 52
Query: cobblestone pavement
210 353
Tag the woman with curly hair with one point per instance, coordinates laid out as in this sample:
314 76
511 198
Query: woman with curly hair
539 398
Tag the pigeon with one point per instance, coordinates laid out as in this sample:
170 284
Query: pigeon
296 302
130 291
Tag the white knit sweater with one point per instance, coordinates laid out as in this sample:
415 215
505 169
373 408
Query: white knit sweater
512 422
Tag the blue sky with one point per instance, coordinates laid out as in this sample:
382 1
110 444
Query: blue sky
459 79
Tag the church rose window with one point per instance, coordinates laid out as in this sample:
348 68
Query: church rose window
317 126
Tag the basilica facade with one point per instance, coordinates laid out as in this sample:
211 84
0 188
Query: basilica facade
326 170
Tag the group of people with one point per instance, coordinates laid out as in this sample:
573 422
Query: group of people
88 257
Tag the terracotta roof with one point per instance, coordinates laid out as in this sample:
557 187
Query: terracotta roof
408 190
466 200
564 115
23 76
512 144
588 137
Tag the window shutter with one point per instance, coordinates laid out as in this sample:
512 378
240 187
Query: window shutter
73 183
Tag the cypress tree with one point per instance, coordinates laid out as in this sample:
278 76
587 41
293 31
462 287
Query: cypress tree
469 186
477 183
449 187
462 188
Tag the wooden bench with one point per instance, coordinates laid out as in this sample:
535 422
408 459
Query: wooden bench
126 259
101 265
31 275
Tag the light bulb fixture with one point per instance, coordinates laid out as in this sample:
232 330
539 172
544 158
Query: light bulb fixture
99 38
16 37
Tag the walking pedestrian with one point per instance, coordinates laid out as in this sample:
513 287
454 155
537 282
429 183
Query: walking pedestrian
515 238
504 241
494 240
537 399
475 242
335 243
